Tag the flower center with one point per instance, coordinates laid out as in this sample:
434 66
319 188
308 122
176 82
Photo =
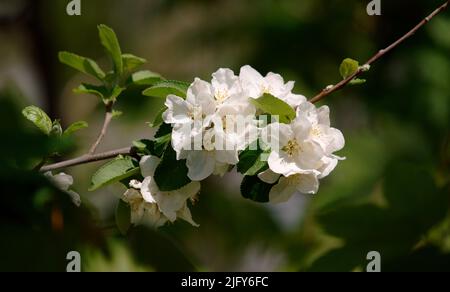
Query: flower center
196 113
266 89
221 95
316 132
292 147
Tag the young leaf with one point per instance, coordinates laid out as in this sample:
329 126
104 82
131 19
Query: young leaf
56 128
254 189
158 119
39 118
114 94
75 127
147 78
357 81
99 91
164 88
348 68
131 62
109 40
251 162
114 171
123 217
82 64
171 174
155 147
269 104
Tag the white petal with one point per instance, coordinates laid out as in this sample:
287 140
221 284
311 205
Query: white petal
186 215
148 165
76 199
177 110
307 183
135 184
309 111
62 181
323 115
149 189
227 156
282 191
269 176
337 142
170 203
310 156
251 81
281 163
294 100
200 164
221 169
329 164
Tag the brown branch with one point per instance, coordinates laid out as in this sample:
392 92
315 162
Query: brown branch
107 121
88 158
329 90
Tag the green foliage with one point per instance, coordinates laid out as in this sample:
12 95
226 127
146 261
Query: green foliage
145 77
254 189
132 62
75 127
275 107
176 168
164 88
348 68
82 64
114 171
414 205
109 40
251 162
123 217
39 118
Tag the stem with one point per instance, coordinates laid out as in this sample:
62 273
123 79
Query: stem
327 91
108 118
88 158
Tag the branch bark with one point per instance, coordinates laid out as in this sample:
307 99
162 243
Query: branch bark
107 121
329 90
88 158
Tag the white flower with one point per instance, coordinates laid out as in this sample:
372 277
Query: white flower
63 182
256 86
286 187
330 139
292 151
151 206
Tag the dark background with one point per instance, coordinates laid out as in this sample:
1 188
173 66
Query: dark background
391 194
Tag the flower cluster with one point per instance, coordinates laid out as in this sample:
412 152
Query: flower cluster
217 121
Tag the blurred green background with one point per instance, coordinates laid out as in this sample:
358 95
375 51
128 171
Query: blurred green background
391 194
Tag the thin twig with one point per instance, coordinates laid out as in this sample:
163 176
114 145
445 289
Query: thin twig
107 121
329 90
88 158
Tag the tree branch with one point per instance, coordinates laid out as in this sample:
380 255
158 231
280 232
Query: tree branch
107 121
329 90
88 158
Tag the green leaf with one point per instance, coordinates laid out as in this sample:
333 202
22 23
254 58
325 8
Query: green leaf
75 127
171 174
254 189
348 68
114 171
251 162
163 130
82 64
114 94
39 118
164 88
147 78
116 114
131 62
357 81
269 104
99 91
123 217
153 147
158 119
109 40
